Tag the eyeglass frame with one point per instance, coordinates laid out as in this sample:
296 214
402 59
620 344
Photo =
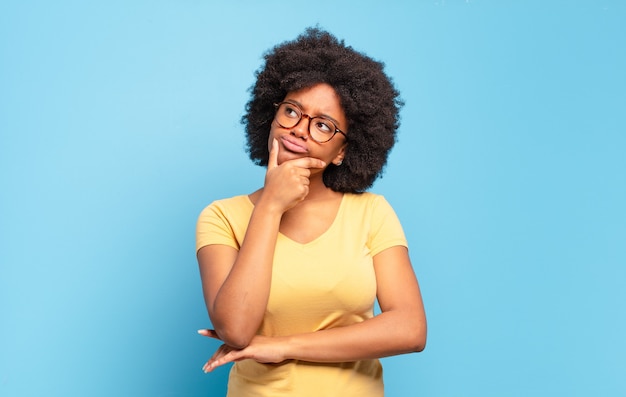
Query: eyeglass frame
302 115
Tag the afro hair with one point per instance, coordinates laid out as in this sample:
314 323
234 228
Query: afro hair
368 97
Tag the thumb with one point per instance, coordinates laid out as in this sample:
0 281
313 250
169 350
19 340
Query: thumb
272 162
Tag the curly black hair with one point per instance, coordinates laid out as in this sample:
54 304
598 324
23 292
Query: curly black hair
368 97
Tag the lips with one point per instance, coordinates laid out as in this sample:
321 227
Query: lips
293 145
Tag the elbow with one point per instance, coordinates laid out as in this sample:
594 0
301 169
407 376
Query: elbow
238 343
234 337
409 334
235 340
416 343
419 345
235 331
417 338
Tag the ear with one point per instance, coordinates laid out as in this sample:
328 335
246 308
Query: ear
342 153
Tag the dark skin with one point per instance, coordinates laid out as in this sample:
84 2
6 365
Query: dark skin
295 202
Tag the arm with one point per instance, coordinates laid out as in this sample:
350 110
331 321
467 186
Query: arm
400 328
236 283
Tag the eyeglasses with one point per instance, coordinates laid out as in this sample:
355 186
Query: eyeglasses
321 129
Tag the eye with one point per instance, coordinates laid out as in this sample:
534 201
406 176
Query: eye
324 126
291 111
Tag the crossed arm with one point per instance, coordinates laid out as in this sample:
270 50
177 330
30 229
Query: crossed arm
236 286
400 328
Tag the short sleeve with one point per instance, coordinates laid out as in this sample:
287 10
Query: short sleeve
214 227
386 230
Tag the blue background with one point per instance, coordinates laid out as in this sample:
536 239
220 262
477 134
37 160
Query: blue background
119 122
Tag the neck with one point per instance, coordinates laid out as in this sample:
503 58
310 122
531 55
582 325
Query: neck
318 191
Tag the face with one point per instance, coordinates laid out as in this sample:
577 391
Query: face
295 142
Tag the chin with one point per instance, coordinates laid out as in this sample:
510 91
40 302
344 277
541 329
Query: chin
286 156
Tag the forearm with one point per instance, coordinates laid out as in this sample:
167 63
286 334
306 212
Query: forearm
239 306
390 333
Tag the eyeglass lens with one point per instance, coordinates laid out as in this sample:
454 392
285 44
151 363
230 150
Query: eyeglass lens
289 115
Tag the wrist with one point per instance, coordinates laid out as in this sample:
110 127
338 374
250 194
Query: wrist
290 347
268 206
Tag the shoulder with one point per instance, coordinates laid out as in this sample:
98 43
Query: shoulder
368 207
224 222
366 200
235 202
228 207
372 215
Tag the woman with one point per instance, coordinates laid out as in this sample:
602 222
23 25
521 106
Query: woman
290 272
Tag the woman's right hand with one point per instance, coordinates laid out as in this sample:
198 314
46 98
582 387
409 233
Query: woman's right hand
288 183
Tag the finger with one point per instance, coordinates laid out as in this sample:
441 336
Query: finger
272 162
305 191
300 172
231 356
219 353
209 333
308 162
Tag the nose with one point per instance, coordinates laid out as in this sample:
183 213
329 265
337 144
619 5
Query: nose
301 129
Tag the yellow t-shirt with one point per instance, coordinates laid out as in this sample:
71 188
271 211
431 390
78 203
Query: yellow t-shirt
326 283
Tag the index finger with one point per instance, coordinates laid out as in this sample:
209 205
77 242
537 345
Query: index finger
272 161
308 162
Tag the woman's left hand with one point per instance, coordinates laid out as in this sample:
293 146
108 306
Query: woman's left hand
262 349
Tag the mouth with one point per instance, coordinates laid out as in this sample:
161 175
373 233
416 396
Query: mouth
293 145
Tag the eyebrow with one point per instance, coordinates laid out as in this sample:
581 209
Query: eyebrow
324 116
